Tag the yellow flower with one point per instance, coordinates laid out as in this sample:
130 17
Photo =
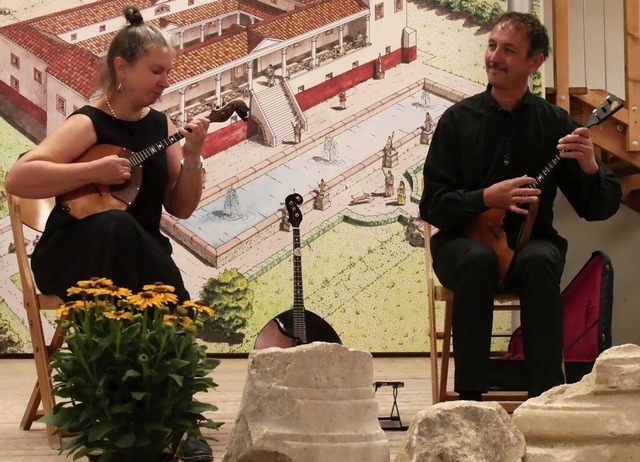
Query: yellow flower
120 292
200 307
169 319
100 305
118 315
97 291
75 291
95 282
146 299
75 305
166 291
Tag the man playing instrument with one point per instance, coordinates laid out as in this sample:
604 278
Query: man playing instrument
484 154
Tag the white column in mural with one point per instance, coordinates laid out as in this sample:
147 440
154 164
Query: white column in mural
368 19
218 78
183 116
521 6
202 33
219 26
181 35
341 39
250 74
237 18
283 54
314 42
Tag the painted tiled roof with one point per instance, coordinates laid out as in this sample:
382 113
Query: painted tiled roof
305 19
78 69
209 55
203 12
38 36
42 46
93 13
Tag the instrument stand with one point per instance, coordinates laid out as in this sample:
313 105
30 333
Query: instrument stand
394 416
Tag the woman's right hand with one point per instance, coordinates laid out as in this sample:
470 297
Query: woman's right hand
112 170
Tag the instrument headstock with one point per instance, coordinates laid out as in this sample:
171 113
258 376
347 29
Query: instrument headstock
292 203
609 107
223 113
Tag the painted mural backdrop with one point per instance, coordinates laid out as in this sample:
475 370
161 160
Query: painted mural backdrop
357 166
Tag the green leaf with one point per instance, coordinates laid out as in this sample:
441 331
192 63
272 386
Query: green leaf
139 395
99 430
126 441
177 379
131 373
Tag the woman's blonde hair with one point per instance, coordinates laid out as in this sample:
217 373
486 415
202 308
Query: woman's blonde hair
131 42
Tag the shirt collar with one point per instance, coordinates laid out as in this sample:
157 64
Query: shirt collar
526 100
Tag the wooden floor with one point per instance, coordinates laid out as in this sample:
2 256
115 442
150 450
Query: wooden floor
17 377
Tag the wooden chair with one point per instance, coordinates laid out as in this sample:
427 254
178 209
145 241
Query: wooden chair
510 400
33 213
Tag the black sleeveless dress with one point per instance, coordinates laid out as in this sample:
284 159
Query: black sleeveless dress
125 246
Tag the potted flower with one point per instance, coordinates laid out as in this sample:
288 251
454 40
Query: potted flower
128 375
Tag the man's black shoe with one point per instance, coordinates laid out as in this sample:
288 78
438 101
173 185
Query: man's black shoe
196 451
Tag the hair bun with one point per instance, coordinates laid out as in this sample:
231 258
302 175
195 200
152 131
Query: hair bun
133 15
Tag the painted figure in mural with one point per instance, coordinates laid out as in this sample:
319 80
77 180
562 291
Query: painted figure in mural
427 129
425 97
285 225
342 97
270 72
388 148
323 189
388 183
402 194
462 179
358 40
297 131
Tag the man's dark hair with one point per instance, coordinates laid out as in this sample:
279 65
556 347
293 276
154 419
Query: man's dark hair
536 32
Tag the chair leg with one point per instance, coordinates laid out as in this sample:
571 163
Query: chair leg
31 412
433 353
43 390
446 349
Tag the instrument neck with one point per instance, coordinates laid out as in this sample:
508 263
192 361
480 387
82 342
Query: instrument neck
299 324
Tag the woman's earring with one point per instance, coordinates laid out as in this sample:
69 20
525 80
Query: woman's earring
120 87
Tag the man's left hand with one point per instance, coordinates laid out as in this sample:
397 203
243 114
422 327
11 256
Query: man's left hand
578 146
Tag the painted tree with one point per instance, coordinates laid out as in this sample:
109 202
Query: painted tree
9 342
232 300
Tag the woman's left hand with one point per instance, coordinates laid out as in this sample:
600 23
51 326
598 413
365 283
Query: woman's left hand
194 132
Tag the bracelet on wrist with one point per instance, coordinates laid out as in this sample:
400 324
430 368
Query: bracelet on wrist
198 166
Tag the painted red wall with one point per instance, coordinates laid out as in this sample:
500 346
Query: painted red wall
224 138
322 92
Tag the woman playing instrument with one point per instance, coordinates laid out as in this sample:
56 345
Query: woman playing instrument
125 246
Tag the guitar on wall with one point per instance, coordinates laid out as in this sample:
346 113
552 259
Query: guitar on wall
296 326
506 232
95 198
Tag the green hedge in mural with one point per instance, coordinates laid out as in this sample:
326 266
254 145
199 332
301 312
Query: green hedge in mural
481 11
231 298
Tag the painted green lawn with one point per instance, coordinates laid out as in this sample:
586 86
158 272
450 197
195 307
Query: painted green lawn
372 268
454 44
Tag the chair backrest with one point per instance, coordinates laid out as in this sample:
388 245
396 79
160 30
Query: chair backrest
32 213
